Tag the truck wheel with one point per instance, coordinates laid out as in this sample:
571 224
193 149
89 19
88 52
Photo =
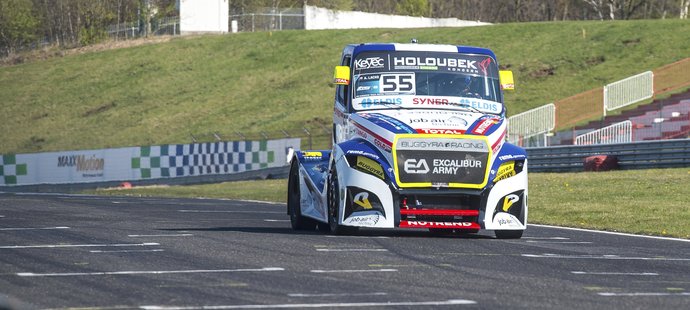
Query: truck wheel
508 234
297 221
333 206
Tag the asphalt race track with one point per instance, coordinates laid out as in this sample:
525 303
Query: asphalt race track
59 251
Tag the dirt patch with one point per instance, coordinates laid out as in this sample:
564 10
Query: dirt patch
55 52
542 71
593 61
99 109
631 42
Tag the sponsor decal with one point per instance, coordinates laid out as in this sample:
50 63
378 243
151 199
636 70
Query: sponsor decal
414 166
439 224
363 220
506 220
312 154
509 201
506 170
451 166
441 131
430 101
382 145
485 125
90 166
435 63
370 166
362 200
484 65
363 153
368 102
510 157
369 63
444 144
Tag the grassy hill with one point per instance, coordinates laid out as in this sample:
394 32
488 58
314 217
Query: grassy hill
252 82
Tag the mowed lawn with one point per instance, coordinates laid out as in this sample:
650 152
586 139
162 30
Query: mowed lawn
650 202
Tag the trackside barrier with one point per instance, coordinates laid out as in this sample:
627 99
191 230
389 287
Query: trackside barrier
531 123
581 107
616 133
672 76
628 91
144 163
638 155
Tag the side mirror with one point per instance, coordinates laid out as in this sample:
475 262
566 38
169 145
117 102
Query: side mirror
341 75
506 78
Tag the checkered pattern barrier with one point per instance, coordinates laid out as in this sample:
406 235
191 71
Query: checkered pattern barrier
146 162
205 158
10 169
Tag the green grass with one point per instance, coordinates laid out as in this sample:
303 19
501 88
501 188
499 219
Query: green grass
253 82
651 202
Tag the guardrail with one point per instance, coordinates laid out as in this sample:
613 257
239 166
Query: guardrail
638 155
616 133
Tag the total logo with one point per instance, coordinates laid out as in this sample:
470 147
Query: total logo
369 63
414 166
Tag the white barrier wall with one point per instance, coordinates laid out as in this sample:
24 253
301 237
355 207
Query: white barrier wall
628 91
531 123
320 18
145 162
616 133
204 16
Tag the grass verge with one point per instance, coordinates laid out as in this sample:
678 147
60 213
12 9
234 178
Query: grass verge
650 202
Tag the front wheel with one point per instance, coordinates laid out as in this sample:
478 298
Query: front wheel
297 221
508 234
334 205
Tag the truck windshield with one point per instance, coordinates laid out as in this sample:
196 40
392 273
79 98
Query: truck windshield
414 79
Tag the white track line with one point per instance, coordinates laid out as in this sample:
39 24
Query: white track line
337 294
616 273
451 302
559 242
653 294
611 233
354 271
33 228
106 273
611 257
351 250
162 235
228 211
268 220
126 251
546 238
50 246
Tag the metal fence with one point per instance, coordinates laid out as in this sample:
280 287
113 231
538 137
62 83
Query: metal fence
672 77
637 155
581 107
628 91
533 123
130 30
616 133
269 19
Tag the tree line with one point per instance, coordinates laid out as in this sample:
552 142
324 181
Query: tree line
69 23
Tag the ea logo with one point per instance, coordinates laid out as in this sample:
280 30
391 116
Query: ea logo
416 166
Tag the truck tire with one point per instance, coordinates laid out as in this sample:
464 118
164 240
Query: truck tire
333 201
297 221
508 234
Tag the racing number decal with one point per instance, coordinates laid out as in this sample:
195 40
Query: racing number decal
397 83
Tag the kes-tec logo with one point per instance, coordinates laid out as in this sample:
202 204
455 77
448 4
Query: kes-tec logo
416 166
369 63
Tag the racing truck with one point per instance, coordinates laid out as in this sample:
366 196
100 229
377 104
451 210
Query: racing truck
419 141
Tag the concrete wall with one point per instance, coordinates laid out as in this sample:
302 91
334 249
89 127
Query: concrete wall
204 16
319 18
